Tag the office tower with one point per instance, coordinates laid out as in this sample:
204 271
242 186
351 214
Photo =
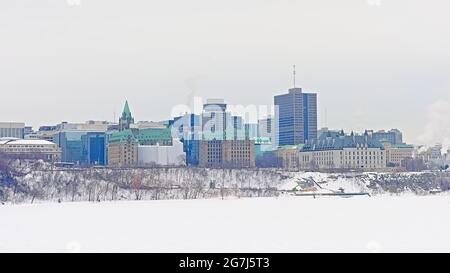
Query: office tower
214 119
295 117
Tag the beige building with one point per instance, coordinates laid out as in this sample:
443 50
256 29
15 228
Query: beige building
344 152
289 156
227 153
122 154
30 149
361 157
395 154
43 135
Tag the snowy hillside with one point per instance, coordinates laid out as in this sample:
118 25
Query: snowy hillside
421 183
39 183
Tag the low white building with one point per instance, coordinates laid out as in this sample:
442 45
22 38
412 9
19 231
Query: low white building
343 152
158 155
30 149
395 154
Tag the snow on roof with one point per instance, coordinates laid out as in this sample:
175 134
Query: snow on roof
8 138
26 142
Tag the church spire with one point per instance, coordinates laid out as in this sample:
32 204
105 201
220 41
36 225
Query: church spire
126 119
126 110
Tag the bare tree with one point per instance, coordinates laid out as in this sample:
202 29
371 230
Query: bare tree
137 185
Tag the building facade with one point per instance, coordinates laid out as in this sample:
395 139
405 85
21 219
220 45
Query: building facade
94 149
12 129
192 151
296 117
123 153
227 154
122 149
30 149
251 131
235 128
188 128
158 155
145 147
289 156
393 136
262 145
356 152
214 120
396 154
265 128
44 133
71 145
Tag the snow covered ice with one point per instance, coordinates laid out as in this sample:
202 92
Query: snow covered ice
285 224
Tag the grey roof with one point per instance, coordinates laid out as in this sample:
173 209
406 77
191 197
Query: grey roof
340 142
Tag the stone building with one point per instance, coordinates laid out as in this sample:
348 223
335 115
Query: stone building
30 149
227 153
357 152
122 150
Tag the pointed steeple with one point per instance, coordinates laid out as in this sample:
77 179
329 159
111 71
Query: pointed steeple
126 110
126 119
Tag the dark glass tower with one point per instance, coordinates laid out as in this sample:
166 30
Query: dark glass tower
296 117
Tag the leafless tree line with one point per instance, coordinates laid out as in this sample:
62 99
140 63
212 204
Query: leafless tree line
39 182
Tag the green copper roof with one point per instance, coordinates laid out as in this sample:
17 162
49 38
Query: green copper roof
144 136
154 134
126 110
403 145
121 136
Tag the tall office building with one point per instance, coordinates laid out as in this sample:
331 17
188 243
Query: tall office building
251 131
295 117
214 120
235 129
265 127
188 128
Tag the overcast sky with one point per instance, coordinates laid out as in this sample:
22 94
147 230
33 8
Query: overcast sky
374 64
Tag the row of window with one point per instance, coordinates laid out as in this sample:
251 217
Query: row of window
28 150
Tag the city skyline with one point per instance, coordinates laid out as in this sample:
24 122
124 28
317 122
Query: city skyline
235 126
77 62
243 114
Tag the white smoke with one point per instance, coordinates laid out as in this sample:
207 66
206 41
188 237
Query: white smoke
437 129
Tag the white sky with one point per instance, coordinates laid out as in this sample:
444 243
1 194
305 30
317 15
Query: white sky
373 66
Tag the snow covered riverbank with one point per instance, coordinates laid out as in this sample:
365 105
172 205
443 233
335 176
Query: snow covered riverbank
42 183
287 224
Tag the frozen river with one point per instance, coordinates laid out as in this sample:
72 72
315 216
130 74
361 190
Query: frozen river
289 224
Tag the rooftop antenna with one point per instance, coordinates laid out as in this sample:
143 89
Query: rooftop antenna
294 73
